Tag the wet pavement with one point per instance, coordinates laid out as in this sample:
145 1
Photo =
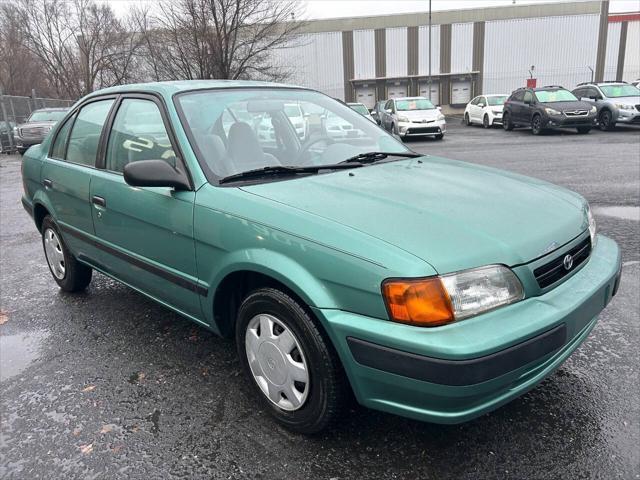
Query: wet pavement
108 384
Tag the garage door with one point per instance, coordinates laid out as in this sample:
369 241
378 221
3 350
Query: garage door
435 92
460 93
396 91
366 95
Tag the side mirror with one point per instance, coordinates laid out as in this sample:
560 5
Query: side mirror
439 107
154 173
481 105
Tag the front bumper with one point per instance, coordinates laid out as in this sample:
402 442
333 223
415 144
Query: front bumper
562 121
628 116
419 129
456 372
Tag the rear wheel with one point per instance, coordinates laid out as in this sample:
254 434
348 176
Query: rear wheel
605 120
506 122
536 125
583 130
467 120
485 121
69 274
292 367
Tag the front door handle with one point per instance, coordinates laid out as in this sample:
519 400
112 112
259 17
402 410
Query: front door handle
47 183
101 202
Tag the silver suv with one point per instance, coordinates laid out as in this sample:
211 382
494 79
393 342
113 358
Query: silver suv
37 127
617 102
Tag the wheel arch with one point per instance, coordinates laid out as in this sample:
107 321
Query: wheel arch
41 208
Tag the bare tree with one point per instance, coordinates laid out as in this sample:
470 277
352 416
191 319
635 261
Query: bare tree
225 39
82 46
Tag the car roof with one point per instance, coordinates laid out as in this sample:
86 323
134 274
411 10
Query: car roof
354 104
53 109
172 87
494 95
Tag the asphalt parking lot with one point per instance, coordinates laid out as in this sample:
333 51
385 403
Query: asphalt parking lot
108 384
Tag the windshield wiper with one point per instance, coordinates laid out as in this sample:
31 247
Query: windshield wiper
371 157
280 170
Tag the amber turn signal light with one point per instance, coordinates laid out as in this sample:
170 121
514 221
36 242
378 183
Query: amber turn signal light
421 302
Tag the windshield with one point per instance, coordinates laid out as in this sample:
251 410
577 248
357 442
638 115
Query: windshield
361 109
47 116
493 101
551 96
414 104
616 91
237 130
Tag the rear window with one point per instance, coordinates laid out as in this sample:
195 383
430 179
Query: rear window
47 116
551 96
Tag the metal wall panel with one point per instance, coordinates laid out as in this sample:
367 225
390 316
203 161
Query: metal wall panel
314 60
461 47
611 55
561 48
364 55
423 52
632 53
396 47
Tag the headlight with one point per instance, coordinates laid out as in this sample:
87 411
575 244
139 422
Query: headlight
403 119
624 106
592 227
440 117
496 111
434 301
552 111
594 109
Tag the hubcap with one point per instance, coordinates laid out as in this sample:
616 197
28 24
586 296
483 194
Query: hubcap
277 362
54 254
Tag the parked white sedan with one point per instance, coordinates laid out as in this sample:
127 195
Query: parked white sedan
485 110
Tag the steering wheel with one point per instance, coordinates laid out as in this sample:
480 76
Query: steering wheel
304 149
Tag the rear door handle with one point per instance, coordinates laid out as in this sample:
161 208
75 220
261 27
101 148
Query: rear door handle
96 200
47 183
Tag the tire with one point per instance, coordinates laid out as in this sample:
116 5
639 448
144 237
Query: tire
314 404
605 121
536 125
69 274
467 120
485 121
506 122
440 136
583 130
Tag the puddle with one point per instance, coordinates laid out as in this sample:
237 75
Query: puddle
623 212
18 351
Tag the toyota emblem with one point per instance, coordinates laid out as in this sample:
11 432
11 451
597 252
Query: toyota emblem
567 262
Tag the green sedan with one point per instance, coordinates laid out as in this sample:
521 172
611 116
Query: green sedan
339 262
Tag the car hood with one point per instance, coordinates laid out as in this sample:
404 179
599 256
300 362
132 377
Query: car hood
625 100
37 124
414 115
451 214
570 106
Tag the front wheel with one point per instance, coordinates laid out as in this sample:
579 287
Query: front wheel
485 121
467 120
536 125
583 130
506 122
69 274
439 136
293 368
605 120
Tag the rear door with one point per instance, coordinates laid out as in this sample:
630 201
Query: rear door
526 111
146 233
67 174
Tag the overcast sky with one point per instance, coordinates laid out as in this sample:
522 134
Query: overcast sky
313 9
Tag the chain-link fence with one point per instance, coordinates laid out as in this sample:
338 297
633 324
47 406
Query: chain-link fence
15 110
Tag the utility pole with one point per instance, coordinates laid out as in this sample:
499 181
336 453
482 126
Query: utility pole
429 81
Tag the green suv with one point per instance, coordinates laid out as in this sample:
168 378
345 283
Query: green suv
430 288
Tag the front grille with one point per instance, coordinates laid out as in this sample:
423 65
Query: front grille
33 131
555 270
576 113
423 130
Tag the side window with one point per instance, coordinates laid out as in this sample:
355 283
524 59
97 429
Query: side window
389 105
61 139
528 97
475 101
579 93
594 93
138 133
85 136
482 102
518 96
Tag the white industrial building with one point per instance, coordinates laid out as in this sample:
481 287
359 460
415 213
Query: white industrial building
488 50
